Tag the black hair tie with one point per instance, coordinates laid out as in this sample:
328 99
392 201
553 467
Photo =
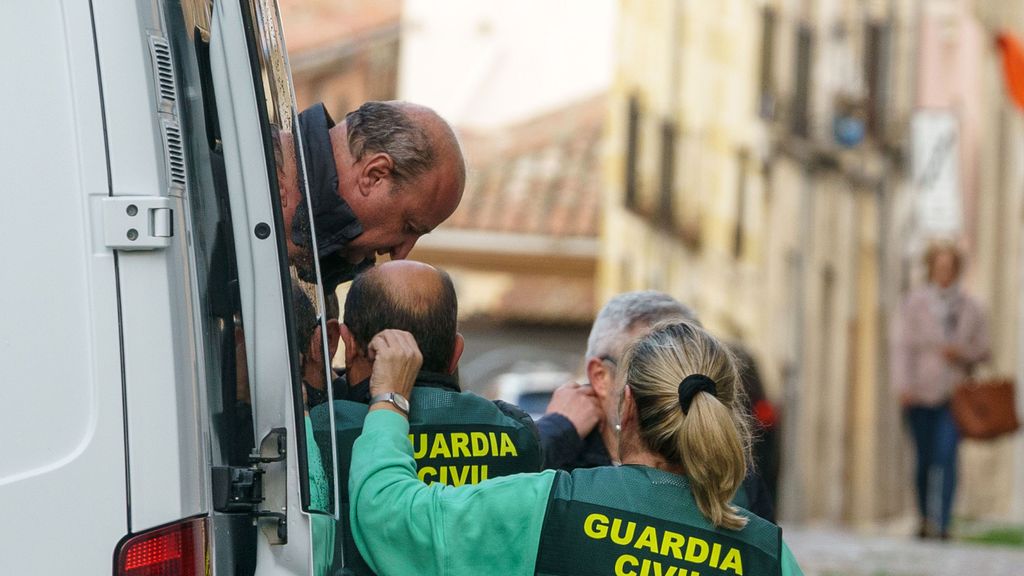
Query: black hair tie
693 384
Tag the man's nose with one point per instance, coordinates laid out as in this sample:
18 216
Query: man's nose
402 250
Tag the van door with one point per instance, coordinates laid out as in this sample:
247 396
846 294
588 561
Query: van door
263 314
278 281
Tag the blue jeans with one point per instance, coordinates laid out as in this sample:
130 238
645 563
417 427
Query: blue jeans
936 439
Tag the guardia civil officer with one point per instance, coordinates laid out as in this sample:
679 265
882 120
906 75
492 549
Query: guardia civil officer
456 438
683 443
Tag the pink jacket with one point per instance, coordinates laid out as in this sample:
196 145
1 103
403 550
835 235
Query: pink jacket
918 336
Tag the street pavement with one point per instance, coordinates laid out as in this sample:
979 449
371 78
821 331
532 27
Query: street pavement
832 552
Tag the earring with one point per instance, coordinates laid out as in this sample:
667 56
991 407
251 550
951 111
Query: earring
618 427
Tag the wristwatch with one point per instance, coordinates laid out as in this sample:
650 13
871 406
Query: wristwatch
393 398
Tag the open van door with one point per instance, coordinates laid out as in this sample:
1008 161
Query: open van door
255 304
262 153
163 337
242 62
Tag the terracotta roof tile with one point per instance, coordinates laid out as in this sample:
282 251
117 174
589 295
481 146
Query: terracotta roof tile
539 177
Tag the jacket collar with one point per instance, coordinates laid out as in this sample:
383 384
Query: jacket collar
334 222
425 379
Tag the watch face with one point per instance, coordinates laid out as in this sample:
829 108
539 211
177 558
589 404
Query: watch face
401 402
395 399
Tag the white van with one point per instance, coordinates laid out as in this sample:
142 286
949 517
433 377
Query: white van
151 411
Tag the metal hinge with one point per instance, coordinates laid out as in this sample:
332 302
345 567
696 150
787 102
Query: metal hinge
240 488
138 222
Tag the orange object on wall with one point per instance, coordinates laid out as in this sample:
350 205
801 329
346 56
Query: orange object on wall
1013 66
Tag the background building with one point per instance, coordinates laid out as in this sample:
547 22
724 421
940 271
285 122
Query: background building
761 167
342 53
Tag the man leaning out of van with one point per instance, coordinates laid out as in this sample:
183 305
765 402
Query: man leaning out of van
457 437
389 173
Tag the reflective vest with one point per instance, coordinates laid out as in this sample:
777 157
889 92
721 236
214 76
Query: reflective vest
457 438
640 521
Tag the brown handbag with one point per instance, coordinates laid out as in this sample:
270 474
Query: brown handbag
985 409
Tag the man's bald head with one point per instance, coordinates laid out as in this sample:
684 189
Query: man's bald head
410 296
415 137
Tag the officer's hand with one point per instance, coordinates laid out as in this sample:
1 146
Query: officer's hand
396 361
579 405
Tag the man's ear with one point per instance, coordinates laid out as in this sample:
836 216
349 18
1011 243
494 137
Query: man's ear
351 348
460 345
599 376
628 408
376 168
333 335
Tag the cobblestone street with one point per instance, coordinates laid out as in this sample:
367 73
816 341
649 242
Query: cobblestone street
831 552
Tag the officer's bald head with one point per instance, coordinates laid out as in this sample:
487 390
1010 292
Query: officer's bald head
410 296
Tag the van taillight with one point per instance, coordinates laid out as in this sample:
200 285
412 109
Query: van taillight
175 550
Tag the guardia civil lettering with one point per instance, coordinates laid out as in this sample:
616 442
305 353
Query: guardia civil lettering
666 543
451 445
462 445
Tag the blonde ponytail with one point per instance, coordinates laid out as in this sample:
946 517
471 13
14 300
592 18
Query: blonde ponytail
713 458
711 439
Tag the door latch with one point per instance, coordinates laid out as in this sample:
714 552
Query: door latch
138 222
240 488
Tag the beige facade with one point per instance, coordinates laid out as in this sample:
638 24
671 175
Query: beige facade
726 186
996 479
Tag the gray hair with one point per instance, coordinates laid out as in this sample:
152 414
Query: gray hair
631 310
386 127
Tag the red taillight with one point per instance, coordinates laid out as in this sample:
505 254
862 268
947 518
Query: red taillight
175 550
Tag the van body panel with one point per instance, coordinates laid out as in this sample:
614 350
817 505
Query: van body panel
61 410
128 95
166 460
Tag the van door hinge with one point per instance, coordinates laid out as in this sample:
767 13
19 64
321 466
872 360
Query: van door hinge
240 488
138 222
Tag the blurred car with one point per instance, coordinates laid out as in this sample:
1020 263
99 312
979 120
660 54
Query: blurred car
531 391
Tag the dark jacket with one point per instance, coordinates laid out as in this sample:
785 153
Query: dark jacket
565 450
335 223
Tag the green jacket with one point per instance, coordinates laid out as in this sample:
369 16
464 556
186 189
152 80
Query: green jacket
636 520
404 527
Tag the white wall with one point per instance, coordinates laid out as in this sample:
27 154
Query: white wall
486 64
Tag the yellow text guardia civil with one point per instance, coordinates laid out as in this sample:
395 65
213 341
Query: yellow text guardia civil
665 543
450 445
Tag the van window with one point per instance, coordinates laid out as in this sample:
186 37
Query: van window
221 321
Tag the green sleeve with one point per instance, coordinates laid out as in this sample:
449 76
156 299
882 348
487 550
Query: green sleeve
403 526
322 526
789 565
